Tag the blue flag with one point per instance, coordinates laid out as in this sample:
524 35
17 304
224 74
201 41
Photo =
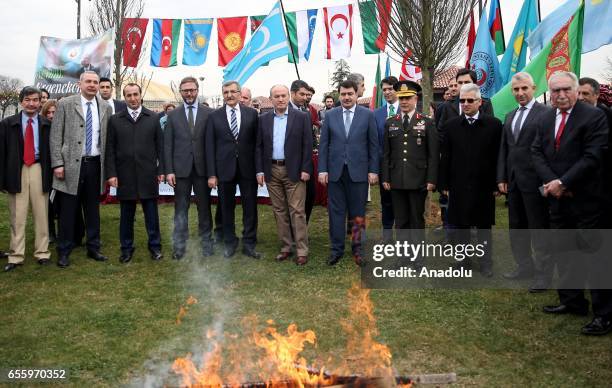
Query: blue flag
388 68
514 58
197 37
484 60
596 30
268 42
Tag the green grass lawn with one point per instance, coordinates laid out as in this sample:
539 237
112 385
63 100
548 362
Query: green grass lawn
111 324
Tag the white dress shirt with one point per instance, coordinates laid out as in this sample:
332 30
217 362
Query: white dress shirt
558 120
131 112
95 122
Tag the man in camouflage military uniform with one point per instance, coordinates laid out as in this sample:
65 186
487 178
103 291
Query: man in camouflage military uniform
410 161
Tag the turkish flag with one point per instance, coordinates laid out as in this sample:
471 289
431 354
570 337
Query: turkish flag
132 35
470 40
231 33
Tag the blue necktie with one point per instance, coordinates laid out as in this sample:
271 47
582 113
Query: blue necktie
347 121
88 130
234 124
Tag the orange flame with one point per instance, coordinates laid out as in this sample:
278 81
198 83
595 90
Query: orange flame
183 309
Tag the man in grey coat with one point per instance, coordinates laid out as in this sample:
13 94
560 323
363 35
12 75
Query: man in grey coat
78 139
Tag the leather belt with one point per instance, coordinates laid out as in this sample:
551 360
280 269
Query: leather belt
90 158
278 162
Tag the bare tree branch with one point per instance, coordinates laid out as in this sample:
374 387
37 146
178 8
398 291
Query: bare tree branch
433 30
112 14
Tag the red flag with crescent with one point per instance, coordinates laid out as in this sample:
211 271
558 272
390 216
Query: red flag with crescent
132 35
408 71
339 31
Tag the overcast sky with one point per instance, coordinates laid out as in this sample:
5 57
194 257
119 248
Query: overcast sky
23 22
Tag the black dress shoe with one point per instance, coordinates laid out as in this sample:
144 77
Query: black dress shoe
208 251
3 255
539 286
229 252
598 326
125 257
10 266
63 262
563 309
178 255
251 252
156 255
96 255
43 261
333 260
518 274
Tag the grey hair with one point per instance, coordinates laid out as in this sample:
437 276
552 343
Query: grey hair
523 76
566 74
278 86
355 77
88 72
230 83
468 88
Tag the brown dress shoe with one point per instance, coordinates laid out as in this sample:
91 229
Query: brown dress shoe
301 260
283 256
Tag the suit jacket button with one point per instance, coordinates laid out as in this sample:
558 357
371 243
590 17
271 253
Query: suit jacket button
405 160
79 143
405 151
405 135
81 125
76 160
405 143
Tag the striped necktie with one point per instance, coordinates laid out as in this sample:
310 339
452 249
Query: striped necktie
234 125
88 130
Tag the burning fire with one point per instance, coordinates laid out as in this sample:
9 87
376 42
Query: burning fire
183 309
273 357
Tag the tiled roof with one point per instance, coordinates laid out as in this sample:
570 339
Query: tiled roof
442 80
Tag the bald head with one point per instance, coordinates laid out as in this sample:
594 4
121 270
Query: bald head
279 95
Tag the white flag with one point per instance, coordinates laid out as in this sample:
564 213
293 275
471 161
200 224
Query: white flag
339 31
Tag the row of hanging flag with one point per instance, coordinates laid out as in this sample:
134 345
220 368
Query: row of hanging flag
231 35
487 43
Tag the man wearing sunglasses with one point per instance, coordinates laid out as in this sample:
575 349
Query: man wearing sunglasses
468 173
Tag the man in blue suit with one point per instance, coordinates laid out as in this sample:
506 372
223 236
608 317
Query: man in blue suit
348 162
380 115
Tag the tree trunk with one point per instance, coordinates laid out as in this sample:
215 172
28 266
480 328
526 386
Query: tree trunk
428 68
428 90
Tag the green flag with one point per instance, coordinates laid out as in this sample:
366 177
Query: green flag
561 54
377 96
369 26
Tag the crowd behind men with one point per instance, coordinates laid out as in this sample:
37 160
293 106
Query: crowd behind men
549 161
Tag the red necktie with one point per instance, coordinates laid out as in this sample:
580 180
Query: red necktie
560 130
28 145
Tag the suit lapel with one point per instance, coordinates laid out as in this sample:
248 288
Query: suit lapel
290 119
78 107
242 118
101 109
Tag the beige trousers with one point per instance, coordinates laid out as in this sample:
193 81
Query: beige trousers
288 203
31 193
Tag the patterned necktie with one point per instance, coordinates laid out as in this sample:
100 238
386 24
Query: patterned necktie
391 110
190 120
560 130
234 125
471 120
29 156
88 130
347 121
135 115
517 125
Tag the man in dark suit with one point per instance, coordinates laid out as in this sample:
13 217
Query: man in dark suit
284 152
231 139
106 92
134 166
567 155
468 173
516 177
185 167
588 92
78 143
381 115
87 66
348 162
25 171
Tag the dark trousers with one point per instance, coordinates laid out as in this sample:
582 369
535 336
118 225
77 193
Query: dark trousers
565 215
126 224
344 196
248 198
311 193
218 222
528 216
409 208
182 198
463 235
87 199
386 207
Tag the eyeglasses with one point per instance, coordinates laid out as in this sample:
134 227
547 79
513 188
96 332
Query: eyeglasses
468 100
189 90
